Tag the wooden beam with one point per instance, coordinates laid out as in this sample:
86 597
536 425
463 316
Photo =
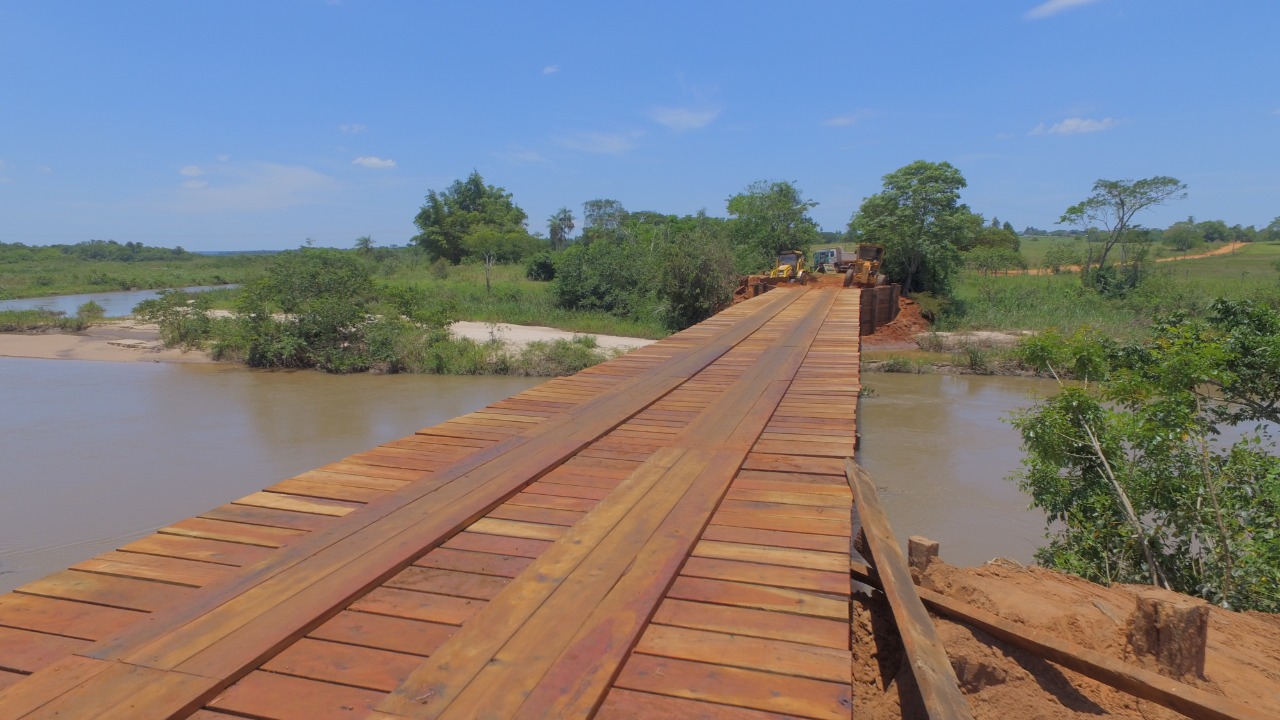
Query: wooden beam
939 688
1180 697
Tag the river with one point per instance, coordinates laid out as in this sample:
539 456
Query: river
116 303
94 454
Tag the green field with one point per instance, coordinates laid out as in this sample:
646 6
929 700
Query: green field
1031 302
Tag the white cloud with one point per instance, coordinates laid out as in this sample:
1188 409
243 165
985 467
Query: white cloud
1075 126
353 128
224 158
681 119
374 162
1005 135
551 70
1053 7
520 157
4 178
191 171
846 120
1276 111
251 187
601 143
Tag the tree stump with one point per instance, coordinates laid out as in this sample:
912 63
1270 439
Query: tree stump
921 550
1171 630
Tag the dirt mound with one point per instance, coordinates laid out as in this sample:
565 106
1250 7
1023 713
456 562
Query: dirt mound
902 331
1242 660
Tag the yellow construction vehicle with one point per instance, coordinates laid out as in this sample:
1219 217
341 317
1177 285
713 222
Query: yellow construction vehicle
790 268
860 268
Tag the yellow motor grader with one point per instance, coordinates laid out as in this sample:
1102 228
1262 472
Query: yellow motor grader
860 268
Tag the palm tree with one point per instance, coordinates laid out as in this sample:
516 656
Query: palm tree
560 224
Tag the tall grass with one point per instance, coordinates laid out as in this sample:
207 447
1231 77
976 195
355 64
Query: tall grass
1034 302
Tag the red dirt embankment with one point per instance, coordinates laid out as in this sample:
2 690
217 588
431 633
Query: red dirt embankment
1242 660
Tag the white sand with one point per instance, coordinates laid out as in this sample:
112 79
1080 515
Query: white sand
129 341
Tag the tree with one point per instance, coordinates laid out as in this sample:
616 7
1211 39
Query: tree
1129 467
919 219
491 245
559 226
769 217
364 245
446 218
1113 205
1272 231
696 276
602 219
1183 235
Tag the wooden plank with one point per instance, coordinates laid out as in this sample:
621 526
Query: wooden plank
153 567
530 498
363 667
258 695
516 528
772 575
418 606
837 528
767 655
267 517
754 623
622 704
800 602
111 591
482 563
939 689
26 651
785 557
1180 697
51 682
795 495
536 515
217 552
448 582
310 488
232 532
789 510
415 637
800 697
496 544
64 617
776 538
314 506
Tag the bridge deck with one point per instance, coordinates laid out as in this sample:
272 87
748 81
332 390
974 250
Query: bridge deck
662 535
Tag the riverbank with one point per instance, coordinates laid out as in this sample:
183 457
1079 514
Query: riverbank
132 341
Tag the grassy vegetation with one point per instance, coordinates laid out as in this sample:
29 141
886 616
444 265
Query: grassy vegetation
46 320
1035 302
42 271
513 299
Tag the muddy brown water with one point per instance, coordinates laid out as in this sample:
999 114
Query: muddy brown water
940 453
95 454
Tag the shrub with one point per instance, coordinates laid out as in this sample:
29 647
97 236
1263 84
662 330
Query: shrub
541 268
91 312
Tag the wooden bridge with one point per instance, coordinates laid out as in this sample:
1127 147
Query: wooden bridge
663 535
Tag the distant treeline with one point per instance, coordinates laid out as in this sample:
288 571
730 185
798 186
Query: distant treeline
93 250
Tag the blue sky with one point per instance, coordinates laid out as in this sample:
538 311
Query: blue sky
244 125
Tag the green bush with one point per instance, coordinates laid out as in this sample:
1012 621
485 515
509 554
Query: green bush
541 268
